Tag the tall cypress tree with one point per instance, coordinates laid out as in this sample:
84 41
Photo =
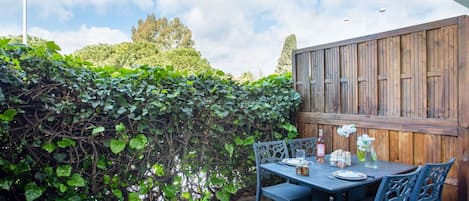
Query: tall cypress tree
284 61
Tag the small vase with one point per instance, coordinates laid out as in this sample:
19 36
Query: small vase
366 152
371 159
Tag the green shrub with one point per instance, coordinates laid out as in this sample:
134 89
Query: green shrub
71 131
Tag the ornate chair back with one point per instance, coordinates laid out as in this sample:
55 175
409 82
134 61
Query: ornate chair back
431 180
397 187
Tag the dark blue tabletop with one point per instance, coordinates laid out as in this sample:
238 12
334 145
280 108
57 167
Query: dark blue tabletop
320 174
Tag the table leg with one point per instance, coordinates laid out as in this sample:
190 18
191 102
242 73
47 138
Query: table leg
356 194
319 195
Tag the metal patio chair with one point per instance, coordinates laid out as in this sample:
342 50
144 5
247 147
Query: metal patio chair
431 181
397 187
270 152
308 144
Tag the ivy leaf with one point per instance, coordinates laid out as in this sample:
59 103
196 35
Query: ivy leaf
249 140
222 195
238 141
101 164
63 188
217 181
186 195
65 142
158 170
169 191
49 147
120 127
97 130
230 188
133 197
229 148
76 180
63 171
117 146
138 142
33 191
6 183
292 135
118 193
8 115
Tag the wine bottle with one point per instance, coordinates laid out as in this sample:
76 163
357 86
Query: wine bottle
320 147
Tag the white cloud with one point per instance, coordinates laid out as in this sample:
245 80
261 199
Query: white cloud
145 4
70 41
245 35
225 32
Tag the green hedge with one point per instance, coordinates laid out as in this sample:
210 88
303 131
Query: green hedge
71 131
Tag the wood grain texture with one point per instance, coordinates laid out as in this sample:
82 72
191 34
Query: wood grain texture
394 146
463 106
317 81
331 82
408 88
423 125
406 147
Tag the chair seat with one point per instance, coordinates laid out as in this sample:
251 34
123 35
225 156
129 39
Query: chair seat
286 191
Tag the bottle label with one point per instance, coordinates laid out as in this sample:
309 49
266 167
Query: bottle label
321 149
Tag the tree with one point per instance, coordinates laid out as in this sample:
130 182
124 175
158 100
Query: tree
246 77
284 62
124 54
131 54
166 34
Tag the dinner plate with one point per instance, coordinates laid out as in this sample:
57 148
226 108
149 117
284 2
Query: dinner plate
349 175
293 161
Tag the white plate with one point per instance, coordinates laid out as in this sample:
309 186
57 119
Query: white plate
293 161
349 175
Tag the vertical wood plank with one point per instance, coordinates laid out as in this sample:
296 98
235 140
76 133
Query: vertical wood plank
450 193
393 62
394 146
340 142
367 78
317 88
382 144
294 69
432 148
420 73
332 80
449 149
406 147
419 149
450 68
463 105
406 76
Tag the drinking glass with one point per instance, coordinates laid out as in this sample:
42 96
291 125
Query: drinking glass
300 154
341 160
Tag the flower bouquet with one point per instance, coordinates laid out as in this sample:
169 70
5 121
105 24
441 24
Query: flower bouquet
347 130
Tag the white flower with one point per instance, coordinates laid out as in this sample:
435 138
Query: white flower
363 141
346 130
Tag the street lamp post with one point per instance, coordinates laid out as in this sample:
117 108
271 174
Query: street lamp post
25 37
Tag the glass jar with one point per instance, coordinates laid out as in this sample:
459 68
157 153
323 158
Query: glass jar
366 152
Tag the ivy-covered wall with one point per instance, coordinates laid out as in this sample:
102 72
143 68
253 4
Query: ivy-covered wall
71 131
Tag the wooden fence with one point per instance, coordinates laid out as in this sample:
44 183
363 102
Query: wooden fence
409 88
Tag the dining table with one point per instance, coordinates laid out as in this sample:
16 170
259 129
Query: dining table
323 180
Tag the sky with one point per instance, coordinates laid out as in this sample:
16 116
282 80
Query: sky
235 36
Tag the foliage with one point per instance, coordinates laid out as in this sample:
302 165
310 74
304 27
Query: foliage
70 131
167 34
132 55
246 77
285 60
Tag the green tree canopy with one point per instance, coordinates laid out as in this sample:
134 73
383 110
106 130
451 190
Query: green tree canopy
167 34
284 62
132 54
